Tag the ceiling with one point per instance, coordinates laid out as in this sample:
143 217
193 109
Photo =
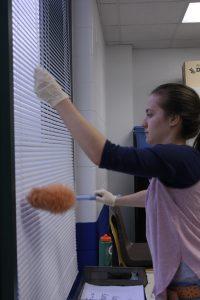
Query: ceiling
148 23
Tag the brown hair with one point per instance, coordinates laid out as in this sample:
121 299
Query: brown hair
178 99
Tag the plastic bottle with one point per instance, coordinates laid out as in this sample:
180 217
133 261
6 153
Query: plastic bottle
105 250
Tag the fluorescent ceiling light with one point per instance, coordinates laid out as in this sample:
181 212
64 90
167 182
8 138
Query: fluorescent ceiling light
192 14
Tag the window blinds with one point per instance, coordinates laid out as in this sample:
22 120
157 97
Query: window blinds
46 247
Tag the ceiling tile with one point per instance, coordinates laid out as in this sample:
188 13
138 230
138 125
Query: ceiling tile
188 31
109 14
153 23
152 44
152 12
147 32
111 33
186 44
108 1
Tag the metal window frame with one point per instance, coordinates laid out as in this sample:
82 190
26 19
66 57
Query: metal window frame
8 251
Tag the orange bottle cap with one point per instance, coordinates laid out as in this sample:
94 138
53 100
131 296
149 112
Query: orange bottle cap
105 238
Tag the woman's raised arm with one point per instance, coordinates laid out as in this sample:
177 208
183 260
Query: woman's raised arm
89 138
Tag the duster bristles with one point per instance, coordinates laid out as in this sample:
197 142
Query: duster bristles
55 198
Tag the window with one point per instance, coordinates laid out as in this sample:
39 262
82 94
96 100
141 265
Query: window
46 247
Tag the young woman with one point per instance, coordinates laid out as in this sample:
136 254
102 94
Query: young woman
172 200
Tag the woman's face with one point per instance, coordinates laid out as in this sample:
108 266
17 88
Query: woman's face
156 123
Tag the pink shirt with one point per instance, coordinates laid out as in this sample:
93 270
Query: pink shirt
173 231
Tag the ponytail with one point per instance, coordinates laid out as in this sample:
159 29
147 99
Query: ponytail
196 144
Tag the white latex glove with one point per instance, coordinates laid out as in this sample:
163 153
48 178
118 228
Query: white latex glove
47 88
105 197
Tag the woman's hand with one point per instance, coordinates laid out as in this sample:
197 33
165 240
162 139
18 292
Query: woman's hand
47 88
105 197
133 200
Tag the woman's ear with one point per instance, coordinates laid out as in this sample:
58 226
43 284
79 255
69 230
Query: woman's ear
174 120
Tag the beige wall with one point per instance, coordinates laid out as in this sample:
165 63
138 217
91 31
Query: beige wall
154 67
89 98
119 117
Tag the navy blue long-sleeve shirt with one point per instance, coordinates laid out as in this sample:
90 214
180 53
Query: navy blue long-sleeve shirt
176 166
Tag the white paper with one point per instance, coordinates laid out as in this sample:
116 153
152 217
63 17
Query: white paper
96 292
